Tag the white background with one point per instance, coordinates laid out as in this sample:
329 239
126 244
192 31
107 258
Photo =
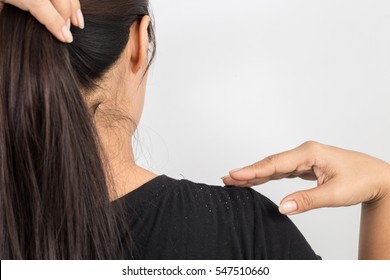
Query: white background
235 81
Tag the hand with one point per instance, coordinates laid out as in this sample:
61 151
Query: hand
56 15
343 177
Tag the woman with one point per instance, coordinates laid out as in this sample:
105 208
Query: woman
68 174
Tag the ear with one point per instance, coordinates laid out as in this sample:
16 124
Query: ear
139 44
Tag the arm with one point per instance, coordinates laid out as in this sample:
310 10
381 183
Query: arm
374 240
343 177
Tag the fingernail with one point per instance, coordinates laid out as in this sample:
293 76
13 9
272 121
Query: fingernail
288 207
67 34
224 177
80 18
68 23
235 170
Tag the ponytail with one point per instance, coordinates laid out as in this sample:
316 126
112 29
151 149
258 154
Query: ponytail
54 201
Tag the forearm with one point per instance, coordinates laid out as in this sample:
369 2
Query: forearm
374 240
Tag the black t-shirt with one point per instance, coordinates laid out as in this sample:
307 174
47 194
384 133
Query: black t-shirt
178 219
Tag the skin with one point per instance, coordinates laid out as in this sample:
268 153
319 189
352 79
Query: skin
56 15
121 95
343 178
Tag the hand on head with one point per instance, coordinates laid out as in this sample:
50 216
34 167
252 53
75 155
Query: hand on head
56 15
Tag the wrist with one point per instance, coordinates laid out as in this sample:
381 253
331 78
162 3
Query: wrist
378 185
384 186
386 183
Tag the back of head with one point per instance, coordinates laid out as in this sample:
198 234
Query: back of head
54 201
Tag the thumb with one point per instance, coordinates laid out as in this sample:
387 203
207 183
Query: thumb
302 201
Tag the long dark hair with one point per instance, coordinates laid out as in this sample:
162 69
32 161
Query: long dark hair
54 199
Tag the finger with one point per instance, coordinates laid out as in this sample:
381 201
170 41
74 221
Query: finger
322 196
299 160
229 181
63 7
77 17
257 182
277 166
280 163
305 175
46 13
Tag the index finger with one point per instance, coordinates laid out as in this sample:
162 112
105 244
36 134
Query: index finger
298 160
46 13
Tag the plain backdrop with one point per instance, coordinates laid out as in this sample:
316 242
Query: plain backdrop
236 81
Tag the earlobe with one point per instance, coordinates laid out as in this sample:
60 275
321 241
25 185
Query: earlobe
139 38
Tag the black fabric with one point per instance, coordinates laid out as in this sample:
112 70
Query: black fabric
178 219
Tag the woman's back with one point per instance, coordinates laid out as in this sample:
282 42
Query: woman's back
179 219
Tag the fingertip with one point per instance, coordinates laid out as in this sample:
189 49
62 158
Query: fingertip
74 20
223 178
80 19
242 174
288 207
66 34
235 170
229 181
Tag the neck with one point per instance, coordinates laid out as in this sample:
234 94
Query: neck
123 173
